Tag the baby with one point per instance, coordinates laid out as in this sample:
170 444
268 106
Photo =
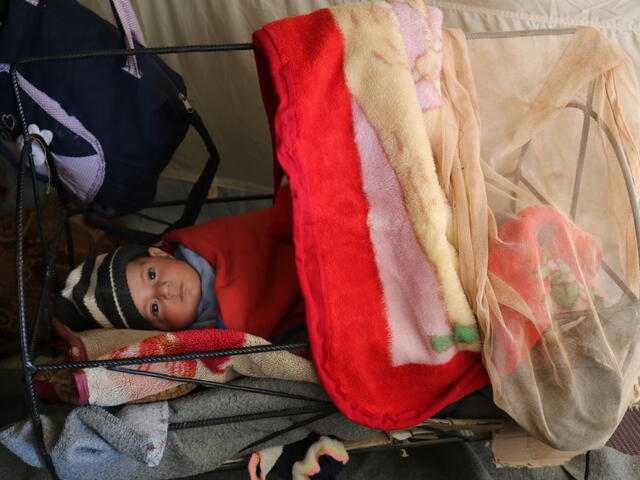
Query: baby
144 288
230 268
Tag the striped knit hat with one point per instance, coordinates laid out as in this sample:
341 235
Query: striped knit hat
96 293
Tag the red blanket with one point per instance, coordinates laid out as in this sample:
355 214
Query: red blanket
352 94
256 284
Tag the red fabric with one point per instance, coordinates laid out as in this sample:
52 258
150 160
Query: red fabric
536 234
194 342
345 316
282 224
185 341
46 391
256 284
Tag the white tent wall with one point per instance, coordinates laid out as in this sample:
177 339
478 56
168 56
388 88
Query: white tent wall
224 86
619 20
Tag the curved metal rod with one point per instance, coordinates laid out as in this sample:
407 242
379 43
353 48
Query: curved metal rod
228 386
125 52
624 167
302 423
324 409
27 366
118 362
577 179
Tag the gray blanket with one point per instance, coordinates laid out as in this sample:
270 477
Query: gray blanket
129 442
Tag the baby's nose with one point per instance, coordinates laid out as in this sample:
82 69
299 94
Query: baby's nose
168 290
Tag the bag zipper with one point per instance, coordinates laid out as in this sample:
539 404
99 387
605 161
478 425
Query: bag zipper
185 101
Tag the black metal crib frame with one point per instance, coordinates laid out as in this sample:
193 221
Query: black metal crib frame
29 339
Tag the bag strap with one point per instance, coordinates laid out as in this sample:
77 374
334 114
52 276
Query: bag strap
131 32
193 203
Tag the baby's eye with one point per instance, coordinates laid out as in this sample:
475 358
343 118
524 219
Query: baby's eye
155 308
151 274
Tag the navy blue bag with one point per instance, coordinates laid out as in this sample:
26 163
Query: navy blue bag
109 124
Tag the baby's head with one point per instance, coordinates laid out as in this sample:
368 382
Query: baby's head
136 287
166 291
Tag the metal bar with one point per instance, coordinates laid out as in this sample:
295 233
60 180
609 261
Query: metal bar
533 190
582 313
628 180
244 198
517 173
617 280
125 52
52 270
48 276
118 362
291 427
519 33
577 181
27 366
250 46
238 464
421 443
228 386
608 270
37 205
150 218
43 306
241 198
624 167
444 433
249 417
69 236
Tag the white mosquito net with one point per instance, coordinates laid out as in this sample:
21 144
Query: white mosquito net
538 155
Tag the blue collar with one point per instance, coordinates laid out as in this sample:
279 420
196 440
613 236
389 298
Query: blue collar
208 314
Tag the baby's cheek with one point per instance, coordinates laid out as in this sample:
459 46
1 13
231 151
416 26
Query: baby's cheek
182 318
159 325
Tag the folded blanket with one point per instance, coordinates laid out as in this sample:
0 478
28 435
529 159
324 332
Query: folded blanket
100 386
352 107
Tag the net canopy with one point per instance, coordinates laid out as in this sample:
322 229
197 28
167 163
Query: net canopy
537 153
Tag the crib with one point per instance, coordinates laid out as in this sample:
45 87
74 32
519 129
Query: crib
430 432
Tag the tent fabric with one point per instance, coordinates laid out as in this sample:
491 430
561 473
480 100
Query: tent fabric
619 21
232 110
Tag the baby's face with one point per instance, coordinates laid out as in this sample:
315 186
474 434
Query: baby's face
165 291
